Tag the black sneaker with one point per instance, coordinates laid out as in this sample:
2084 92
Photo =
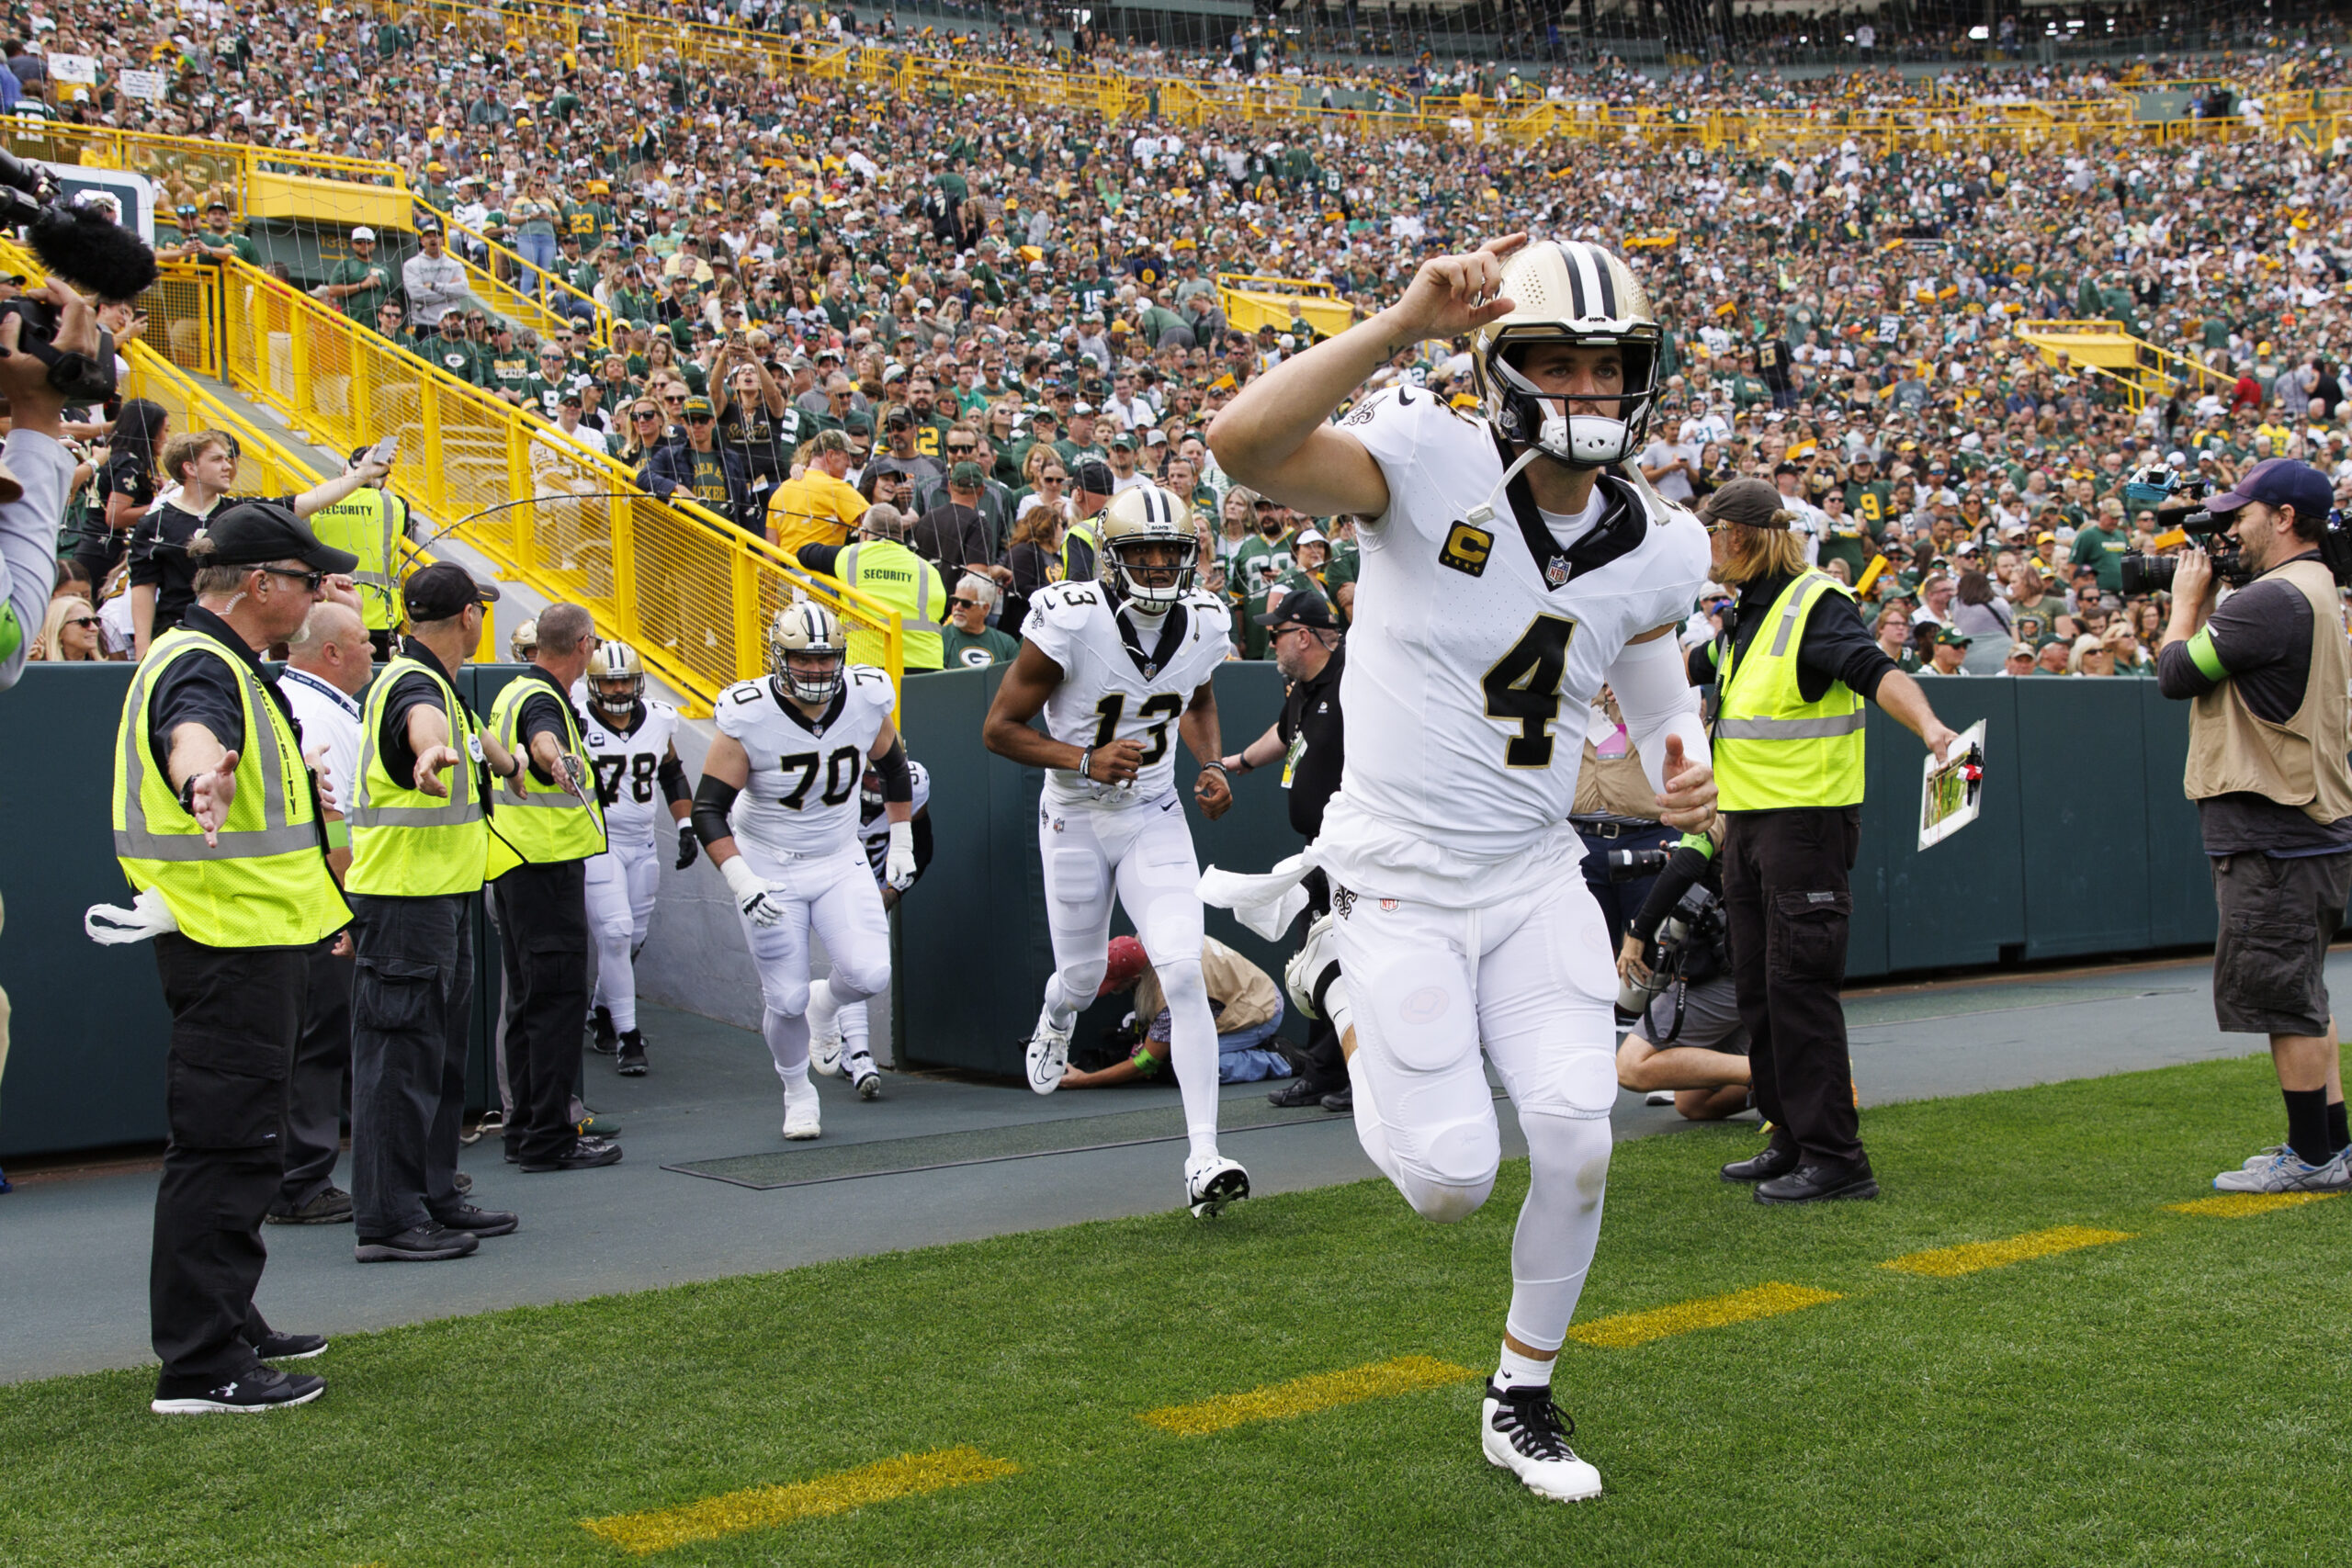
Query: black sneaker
632 1056
261 1388
585 1154
427 1243
601 1037
1298 1094
290 1347
1342 1100
332 1207
479 1222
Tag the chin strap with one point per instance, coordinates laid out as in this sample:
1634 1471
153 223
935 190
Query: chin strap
1484 513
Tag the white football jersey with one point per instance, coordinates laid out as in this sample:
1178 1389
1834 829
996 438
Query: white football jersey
874 820
802 799
1119 683
1478 647
628 766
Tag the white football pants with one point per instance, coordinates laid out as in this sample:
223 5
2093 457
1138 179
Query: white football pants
1143 854
1532 979
621 885
833 895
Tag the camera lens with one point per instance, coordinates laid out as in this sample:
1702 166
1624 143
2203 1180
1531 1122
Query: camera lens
2149 574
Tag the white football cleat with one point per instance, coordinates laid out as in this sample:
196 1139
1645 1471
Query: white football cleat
1319 953
1211 1181
1524 1432
803 1117
1048 1053
824 1030
860 1070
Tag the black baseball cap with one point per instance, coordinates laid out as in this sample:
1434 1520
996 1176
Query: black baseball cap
1302 607
442 590
255 532
1095 477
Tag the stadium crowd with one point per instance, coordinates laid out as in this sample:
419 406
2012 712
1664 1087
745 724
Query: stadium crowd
803 298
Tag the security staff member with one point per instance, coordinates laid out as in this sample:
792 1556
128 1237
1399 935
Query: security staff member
2267 739
878 564
1794 673
1310 738
1091 486
420 838
215 815
538 858
369 523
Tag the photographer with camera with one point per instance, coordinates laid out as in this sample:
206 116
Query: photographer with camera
2266 672
1673 970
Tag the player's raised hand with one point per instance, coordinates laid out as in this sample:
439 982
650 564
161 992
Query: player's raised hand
431 763
1118 763
1688 801
1215 793
1455 294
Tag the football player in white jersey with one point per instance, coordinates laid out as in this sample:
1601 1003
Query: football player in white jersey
631 740
839 1032
777 809
1513 561
1114 665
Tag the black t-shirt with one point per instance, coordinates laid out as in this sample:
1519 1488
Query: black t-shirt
203 690
411 691
1312 726
1836 646
101 546
543 715
159 557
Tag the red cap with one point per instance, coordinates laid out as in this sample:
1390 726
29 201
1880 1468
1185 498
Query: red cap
1125 966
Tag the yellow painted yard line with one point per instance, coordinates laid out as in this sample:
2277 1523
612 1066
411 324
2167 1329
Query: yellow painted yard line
2238 1205
1405 1374
765 1507
1950 1262
1629 1329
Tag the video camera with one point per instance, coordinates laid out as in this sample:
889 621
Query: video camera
2177 502
85 246
1692 941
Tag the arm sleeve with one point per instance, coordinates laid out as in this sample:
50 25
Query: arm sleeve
820 558
28 542
897 783
714 799
1657 701
923 844
1838 647
1684 868
673 776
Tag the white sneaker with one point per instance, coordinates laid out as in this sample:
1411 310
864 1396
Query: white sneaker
824 1031
2286 1172
1211 1181
802 1115
1524 1432
1658 1097
860 1071
1048 1053
1318 953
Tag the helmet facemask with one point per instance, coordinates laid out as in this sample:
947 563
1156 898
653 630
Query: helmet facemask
1125 573
1528 416
806 654
616 697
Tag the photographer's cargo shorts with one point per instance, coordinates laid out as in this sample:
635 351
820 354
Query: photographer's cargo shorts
2277 916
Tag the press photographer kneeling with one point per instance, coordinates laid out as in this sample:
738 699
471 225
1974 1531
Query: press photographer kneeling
2267 672
1675 969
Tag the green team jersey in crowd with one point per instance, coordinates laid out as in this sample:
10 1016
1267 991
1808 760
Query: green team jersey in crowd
1870 504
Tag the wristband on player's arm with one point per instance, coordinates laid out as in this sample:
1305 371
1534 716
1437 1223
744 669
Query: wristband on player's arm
712 799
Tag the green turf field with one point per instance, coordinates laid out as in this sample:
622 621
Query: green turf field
2160 1387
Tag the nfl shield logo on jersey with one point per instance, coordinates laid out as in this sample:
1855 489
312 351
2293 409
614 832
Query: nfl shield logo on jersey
1557 572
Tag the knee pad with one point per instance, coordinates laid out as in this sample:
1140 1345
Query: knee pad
784 996
1082 983
1444 1144
1571 1150
1579 1084
855 982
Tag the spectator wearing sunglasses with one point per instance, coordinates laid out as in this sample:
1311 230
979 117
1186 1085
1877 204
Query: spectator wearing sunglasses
970 642
69 634
715 476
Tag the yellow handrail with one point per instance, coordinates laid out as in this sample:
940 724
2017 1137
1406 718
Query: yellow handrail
511 300
692 591
210 165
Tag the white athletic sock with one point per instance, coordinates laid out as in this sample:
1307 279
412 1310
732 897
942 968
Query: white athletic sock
855 1027
787 1038
1519 1370
1558 1225
1060 1008
1192 1043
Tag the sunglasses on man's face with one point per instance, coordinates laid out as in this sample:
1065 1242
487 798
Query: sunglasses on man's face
958 603
699 419
967 447
311 580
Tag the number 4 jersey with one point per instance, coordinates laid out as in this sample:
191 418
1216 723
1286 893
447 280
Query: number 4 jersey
629 768
802 799
1123 679
1476 649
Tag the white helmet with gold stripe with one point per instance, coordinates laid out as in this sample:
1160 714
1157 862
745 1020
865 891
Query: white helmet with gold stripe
807 652
1147 533
1580 294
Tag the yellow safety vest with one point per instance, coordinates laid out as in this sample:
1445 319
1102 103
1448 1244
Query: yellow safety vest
266 884
888 570
1079 530
1773 749
404 842
551 827
369 523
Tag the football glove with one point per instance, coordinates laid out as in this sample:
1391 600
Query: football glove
688 845
899 863
759 902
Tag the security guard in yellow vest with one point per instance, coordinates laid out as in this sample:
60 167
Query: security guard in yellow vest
218 826
370 523
1792 675
2265 673
538 857
420 838
878 564
1091 486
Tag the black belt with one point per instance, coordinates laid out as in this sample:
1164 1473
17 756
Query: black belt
1601 825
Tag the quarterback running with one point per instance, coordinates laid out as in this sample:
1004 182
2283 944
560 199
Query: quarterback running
1511 563
777 809
1114 665
631 741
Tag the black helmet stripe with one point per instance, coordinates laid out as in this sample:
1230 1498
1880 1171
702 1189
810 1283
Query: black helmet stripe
1576 280
1590 280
